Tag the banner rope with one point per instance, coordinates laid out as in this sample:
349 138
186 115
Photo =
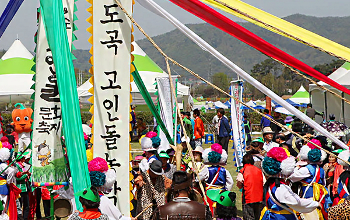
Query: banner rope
167 58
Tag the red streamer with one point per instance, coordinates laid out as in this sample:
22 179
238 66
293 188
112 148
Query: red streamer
218 20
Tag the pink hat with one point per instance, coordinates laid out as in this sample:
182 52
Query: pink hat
138 158
217 148
315 141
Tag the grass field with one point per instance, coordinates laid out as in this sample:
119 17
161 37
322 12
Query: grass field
230 167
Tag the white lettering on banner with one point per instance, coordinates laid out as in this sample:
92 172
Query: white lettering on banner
112 56
48 158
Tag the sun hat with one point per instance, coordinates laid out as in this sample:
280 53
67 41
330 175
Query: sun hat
163 154
268 130
289 119
198 149
259 140
221 197
88 194
156 167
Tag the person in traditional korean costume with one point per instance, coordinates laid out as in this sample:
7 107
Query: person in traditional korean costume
280 201
7 182
344 179
312 177
103 178
149 144
215 175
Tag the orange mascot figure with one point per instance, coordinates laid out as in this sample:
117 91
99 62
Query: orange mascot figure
22 121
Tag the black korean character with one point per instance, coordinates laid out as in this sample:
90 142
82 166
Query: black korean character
111 82
111 161
45 113
108 104
115 191
68 24
109 13
49 60
43 127
111 137
56 112
113 42
50 92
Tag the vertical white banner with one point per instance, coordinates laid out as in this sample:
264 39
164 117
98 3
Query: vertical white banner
48 157
112 57
166 101
237 122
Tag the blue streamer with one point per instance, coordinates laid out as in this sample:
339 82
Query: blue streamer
8 14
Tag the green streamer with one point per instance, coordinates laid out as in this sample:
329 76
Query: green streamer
55 28
147 97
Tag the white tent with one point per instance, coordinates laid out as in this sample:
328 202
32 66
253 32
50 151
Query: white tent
148 71
16 74
330 104
219 104
301 96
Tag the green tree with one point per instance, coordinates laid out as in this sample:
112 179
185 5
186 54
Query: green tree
328 68
222 81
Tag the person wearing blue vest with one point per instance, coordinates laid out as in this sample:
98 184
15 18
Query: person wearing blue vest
280 201
312 177
344 179
215 175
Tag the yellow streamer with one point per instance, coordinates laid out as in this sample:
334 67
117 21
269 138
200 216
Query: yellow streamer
280 26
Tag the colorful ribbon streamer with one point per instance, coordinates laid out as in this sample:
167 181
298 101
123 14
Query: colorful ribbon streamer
147 97
225 24
8 14
152 6
280 26
52 13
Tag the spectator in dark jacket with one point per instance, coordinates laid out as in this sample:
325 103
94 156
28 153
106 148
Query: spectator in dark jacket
264 121
224 130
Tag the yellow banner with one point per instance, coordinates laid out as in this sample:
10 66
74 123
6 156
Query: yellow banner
280 26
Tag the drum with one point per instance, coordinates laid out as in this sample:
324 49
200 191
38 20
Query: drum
62 208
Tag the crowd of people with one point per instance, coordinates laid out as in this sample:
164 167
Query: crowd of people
283 177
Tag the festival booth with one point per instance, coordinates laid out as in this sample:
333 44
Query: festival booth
148 71
16 74
328 103
301 96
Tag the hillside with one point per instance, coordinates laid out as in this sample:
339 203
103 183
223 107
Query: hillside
183 50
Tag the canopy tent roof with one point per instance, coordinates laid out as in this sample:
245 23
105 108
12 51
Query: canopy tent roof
328 103
301 96
16 74
341 76
148 71
219 104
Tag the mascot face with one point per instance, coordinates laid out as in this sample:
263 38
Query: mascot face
22 120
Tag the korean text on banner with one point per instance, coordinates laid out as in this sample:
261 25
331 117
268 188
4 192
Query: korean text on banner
166 105
237 123
48 157
112 55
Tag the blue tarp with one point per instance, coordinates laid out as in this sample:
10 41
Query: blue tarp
287 100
